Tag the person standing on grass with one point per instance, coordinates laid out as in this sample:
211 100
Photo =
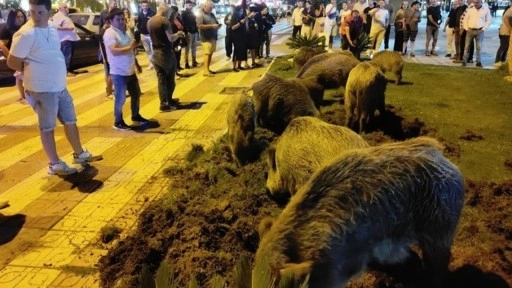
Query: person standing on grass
35 51
434 21
15 20
476 20
142 23
162 37
412 18
208 26
120 46
67 35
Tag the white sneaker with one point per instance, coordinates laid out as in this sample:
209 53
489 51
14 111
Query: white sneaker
497 64
61 168
4 203
85 157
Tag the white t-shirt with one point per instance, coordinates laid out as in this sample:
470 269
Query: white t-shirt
330 19
44 66
61 20
121 64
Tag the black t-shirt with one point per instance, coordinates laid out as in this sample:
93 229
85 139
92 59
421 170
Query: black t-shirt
6 35
142 21
189 21
435 11
452 18
157 26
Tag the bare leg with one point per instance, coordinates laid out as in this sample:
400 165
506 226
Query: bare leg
207 59
253 56
21 88
73 137
48 141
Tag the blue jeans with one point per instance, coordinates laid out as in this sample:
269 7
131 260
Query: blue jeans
67 49
121 84
478 35
165 67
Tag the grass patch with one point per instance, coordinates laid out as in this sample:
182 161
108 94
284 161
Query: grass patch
109 232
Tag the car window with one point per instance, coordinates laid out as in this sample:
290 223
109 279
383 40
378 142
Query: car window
96 20
80 19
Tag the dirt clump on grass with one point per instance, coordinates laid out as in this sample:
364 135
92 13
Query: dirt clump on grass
210 217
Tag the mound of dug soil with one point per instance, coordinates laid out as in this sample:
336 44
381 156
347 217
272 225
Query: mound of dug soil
210 218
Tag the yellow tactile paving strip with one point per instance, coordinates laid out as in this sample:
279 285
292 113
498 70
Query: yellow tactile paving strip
62 225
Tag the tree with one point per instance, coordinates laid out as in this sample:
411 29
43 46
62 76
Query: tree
94 5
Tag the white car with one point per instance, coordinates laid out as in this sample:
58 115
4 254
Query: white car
91 21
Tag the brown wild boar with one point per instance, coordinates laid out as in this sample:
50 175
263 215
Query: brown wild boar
368 205
364 93
277 101
305 146
241 128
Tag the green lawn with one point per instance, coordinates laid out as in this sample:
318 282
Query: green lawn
454 101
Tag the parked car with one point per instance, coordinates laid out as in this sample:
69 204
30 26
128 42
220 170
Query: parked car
91 21
85 53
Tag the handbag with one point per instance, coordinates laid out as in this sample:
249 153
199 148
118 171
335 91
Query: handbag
399 26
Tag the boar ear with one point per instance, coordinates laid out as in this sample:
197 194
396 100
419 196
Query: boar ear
296 271
271 160
265 226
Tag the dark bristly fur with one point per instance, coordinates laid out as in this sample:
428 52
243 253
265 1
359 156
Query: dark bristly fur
332 69
365 93
306 144
368 205
277 101
389 61
241 129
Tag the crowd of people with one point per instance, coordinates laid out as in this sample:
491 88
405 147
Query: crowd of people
166 32
464 26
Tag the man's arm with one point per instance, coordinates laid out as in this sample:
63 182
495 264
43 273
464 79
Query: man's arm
487 19
173 37
15 63
507 20
112 45
3 46
430 18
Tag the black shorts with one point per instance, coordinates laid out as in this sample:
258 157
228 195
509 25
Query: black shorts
410 35
252 40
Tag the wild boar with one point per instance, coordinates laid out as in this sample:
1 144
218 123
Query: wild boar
277 101
368 205
305 146
241 128
364 93
332 69
390 62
